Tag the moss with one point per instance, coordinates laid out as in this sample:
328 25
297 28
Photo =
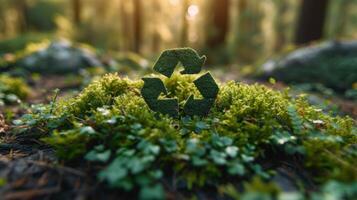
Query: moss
20 42
249 131
12 89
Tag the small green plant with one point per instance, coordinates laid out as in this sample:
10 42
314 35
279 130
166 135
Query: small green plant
12 90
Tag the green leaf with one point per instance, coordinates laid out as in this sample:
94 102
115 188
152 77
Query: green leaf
87 130
98 155
283 137
232 151
155 192
295 119
115 172
201 126
236 169
218 157
197 161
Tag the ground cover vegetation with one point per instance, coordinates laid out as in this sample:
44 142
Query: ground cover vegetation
251 131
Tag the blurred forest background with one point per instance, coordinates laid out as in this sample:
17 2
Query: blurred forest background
239 31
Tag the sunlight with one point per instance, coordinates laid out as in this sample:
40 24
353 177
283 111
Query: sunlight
192 11
178 99
174 2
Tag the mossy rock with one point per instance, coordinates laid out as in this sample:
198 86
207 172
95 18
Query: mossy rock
18 43
333 64
56 57
251 131
12 90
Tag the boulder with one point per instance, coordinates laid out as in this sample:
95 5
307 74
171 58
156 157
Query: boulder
333 64
59 57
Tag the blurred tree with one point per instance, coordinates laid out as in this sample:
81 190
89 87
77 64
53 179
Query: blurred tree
342 17
311 21
77 11
184 31
339 18
248 37
22 14
126 36
41 14
220 15
2 19
156 39
137 25
280 25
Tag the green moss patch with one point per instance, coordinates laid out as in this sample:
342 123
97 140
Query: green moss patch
251 131
12 90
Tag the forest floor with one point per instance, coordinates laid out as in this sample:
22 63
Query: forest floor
34 172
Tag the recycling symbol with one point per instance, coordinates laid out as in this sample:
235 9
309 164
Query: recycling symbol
192 64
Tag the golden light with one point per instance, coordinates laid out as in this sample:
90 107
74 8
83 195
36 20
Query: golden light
174 2
192 11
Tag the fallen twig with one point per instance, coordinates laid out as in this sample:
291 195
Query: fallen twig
66 169
28 194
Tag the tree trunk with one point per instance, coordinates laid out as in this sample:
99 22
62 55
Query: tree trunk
184 31
22 10
2 21
125 28
311 21
342 18
156 38
77 11
220 12
280 25
137 25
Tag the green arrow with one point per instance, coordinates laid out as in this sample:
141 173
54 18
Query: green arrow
192 64
200 107
151 91
188 57
208 88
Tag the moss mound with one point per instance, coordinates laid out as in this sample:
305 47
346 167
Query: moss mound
12 89
252 131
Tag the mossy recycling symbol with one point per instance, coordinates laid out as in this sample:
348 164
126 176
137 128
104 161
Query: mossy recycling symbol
192 64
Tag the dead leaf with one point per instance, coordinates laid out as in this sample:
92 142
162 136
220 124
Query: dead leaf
3 126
